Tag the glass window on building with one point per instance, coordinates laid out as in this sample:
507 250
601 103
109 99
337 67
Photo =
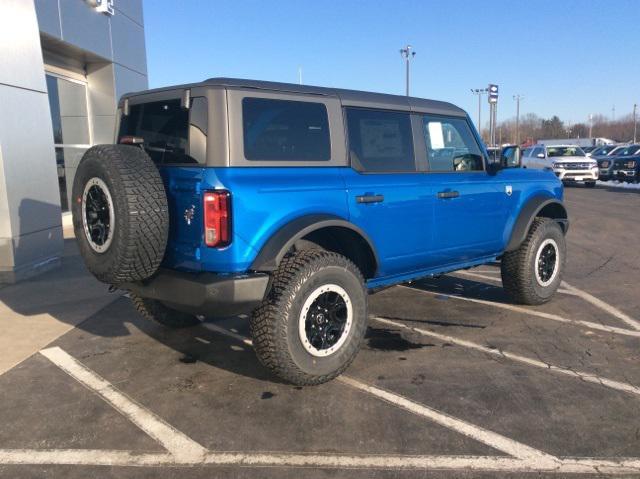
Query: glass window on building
70 120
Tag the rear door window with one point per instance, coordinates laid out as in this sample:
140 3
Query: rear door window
380 141
168 130
285 130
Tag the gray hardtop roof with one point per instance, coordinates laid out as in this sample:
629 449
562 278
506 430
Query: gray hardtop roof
347 97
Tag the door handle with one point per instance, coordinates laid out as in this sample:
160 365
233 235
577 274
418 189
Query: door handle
370 199
448 194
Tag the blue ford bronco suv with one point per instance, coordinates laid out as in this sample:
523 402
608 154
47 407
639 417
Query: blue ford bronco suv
292 203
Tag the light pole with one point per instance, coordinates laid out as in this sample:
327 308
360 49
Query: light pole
517 98
479 92
407 53
590 125
635 123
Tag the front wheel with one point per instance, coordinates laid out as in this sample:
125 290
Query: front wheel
311 326
532 273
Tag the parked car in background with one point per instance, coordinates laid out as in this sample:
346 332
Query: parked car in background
626 165
588 149
606 164
603 151
568 162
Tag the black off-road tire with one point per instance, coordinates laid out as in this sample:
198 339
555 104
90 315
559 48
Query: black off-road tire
141 223
156 311
518 268
275 324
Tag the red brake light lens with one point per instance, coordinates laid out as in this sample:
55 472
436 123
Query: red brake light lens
131 140
217 218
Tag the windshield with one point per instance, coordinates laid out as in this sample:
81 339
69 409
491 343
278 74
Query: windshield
554 151
603 150
628 150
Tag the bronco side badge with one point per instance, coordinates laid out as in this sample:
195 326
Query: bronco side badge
508 190
189 213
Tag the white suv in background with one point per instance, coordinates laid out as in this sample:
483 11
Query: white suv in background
568 162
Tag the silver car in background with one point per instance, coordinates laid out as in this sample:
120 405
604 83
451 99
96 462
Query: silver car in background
569 162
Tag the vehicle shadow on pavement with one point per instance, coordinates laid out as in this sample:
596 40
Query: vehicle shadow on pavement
468 288
71 295
194 344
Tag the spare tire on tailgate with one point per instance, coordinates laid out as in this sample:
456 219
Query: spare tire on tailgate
120 214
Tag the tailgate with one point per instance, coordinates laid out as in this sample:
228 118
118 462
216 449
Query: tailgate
183 186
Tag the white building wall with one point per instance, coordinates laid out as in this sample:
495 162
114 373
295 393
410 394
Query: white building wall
108 53
30 223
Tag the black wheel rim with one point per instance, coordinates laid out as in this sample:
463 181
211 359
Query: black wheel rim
326 320
97 215
547 262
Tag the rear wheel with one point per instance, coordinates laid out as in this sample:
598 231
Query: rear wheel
311 326
532 273
156 311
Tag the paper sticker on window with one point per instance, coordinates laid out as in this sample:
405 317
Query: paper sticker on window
381 139
435 135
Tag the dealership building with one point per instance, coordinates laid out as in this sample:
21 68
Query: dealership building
63 66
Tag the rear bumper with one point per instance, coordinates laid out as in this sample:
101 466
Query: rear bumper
208 294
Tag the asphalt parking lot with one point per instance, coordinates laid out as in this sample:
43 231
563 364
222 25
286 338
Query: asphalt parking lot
453 381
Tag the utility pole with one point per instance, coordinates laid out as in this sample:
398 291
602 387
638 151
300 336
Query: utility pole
613 113
407 53
479 92
300 75
635 123
590 125
517 98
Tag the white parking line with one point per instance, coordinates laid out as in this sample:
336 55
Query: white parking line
83 457
499 280
588 377
566 288
178 444
602 305
185 452
492 439
540 314
92 457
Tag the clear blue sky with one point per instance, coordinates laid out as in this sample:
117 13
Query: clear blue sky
567 57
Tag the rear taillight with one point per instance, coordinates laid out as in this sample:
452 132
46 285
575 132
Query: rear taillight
217 218
131 140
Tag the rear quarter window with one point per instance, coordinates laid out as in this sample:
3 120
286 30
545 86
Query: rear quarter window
172 134
285 130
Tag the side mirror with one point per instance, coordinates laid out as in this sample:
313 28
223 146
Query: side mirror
510 157
540 155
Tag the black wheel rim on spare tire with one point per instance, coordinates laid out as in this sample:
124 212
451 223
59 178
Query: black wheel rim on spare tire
98 216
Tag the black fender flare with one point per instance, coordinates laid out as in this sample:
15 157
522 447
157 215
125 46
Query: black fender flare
529 212
282 240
